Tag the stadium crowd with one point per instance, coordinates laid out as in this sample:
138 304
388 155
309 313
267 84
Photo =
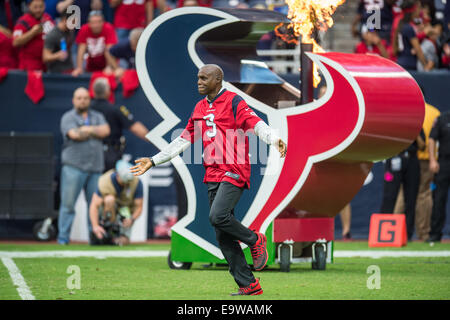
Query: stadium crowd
44 34
96 35
412 33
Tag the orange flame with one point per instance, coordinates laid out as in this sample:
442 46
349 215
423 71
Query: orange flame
307 16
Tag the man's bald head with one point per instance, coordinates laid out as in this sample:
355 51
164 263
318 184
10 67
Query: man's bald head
81 99
210 79
213 69
80 91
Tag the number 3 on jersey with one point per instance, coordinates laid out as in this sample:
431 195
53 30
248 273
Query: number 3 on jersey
210 123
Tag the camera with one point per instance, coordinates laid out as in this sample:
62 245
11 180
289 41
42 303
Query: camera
112 230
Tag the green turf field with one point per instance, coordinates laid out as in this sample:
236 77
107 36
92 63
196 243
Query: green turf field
150 277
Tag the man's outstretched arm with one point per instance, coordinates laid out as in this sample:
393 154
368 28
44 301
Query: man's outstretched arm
247 119
174 148
269 136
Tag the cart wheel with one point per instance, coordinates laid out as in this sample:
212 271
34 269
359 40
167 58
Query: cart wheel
44 231
321 257
178 265
285 258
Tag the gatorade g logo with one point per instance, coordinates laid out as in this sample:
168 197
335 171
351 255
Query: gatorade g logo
385 231
169 54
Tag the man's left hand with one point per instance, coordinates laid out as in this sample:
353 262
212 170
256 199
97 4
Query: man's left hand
282 148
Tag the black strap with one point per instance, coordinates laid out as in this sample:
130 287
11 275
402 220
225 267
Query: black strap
234 104
24 23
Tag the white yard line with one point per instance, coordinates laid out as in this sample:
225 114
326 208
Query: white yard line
25 292
376 254
18 280
78 254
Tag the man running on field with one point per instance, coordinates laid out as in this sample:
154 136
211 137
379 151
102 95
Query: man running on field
227 166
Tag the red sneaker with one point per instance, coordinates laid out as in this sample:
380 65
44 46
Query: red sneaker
253 289
259 252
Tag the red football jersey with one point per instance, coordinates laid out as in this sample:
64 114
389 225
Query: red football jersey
30 54
8 56
130 14
222 124
363 48
96 45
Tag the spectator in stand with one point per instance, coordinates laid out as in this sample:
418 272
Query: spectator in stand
241 4
438 27
8 55
430 48
447 16
57 47
126 51
423 23
95 38
371 43
108 12
119 119
86 6
130 14
445 39
10 11
367 14
428 12
406 45
82 158
445 56
159 7
29 33
191 3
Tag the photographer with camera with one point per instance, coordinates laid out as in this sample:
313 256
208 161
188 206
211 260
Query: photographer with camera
115 206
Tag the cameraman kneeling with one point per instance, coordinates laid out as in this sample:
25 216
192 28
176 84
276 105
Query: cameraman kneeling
115 205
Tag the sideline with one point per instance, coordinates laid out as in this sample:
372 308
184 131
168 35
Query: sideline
375 254
90 254
18 280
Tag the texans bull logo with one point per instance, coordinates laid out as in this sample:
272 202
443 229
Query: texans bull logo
372 110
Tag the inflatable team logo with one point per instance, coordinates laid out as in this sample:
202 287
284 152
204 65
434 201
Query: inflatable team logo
372 110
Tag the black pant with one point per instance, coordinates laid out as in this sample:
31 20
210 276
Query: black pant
409 177
112 154
223 197
442 182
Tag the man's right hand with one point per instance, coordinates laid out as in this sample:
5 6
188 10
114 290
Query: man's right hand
62 55
99 231
37 29
434 166
118 73
76 72
142 165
